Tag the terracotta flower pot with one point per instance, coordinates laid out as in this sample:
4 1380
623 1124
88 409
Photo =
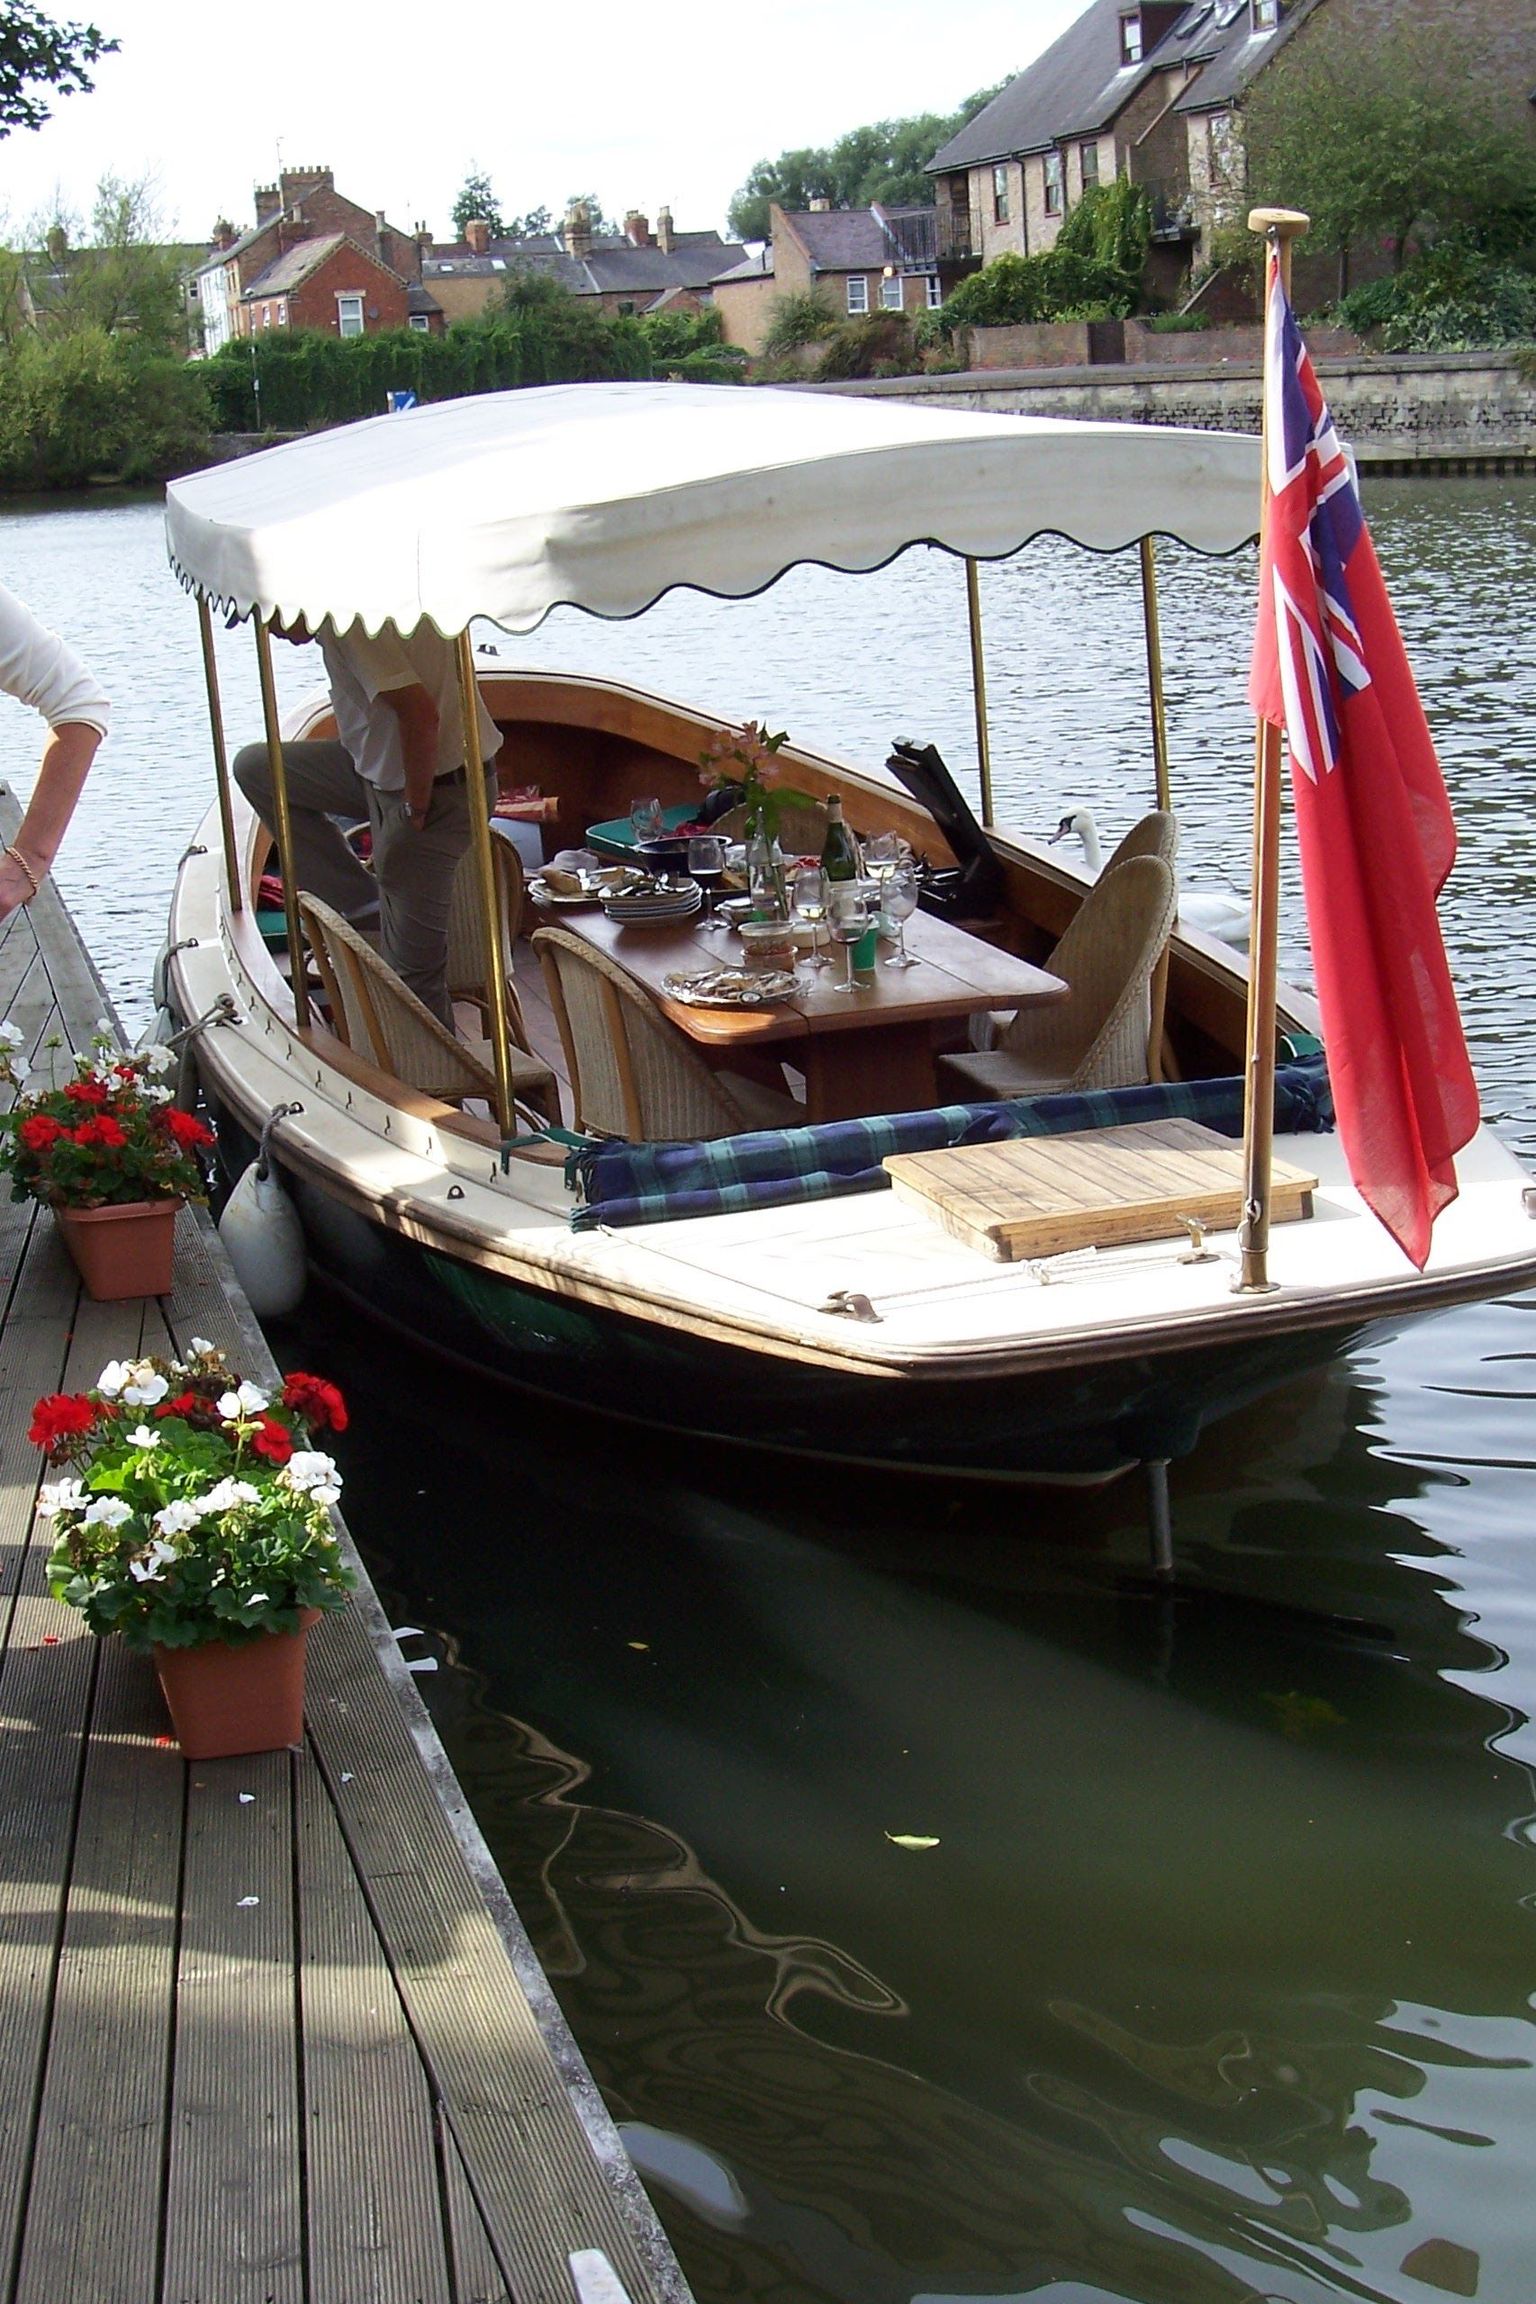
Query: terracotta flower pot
127 1250
245 1698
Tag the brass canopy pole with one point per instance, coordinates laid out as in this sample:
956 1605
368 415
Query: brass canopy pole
1149 619
220 756
979 689
284 825
481 837
1280 226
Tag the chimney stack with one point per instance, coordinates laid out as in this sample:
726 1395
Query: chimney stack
224 235
637 229
820 207
577 232
269 202
477 236
664 230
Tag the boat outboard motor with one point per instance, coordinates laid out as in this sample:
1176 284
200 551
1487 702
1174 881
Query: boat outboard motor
972 887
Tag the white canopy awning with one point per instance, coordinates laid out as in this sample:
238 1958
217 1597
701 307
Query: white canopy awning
605 496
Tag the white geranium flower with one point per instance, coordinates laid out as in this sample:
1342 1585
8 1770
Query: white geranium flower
149 1094
11 1036
134 1382
225 1496
177 1518
156 1057
151 1566
107 1512
248 1401
58 1496
112 1379
199 1347
144 1437
309 1472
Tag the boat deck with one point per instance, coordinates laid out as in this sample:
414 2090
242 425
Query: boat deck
269 2028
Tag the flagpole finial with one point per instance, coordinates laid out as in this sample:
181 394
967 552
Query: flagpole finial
1285 223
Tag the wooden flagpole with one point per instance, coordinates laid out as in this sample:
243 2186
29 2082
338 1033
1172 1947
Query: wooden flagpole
1280 226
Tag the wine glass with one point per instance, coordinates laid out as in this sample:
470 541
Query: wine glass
900 904
646 820
808 902
882 859
848 920
706 864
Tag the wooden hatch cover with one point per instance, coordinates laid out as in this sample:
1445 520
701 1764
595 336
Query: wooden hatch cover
1043 1195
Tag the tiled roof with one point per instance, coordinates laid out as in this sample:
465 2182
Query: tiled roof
758 267
850 239
614 266
295 265
1079 86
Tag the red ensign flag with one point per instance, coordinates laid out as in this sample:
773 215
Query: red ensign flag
1372 818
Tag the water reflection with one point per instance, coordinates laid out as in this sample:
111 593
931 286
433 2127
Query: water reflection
1216 1981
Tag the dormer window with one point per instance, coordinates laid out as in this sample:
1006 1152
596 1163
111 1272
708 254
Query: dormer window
1266 15
1130 36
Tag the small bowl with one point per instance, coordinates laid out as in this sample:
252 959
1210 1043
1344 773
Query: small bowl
670 855
767 943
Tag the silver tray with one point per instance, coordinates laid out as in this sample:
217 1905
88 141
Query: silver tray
732 987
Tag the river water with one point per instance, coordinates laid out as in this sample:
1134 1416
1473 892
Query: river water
945 1915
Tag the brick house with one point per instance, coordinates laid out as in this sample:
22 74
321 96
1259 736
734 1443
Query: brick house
1153 90
368 277
633 271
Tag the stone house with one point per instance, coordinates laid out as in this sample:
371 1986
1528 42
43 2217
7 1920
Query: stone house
637 270
1153 90
859 260
274 275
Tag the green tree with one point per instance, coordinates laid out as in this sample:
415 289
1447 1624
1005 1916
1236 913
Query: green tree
477 200
124 280
36 53
885 161
1388 140
90 406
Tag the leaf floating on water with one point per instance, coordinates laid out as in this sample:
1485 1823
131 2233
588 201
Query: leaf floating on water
643 1646
912 1839
1299 1717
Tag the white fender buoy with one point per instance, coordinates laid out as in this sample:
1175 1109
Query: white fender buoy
260 1228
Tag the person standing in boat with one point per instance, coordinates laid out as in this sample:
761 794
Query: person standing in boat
37 668
398 758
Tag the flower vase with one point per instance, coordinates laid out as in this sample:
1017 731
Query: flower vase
227 1698
123 1250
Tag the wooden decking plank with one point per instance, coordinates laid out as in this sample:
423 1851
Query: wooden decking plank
375 2210
83 998
234 2193
477 2277
93 2217
529 2158
46 1683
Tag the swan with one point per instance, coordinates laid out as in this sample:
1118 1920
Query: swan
1215 911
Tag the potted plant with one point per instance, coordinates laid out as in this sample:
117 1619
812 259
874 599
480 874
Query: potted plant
192 1515
742 764
110 1153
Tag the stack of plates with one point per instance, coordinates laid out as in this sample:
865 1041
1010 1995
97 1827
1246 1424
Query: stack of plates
655 901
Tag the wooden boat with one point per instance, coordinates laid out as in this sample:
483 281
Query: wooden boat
854 1328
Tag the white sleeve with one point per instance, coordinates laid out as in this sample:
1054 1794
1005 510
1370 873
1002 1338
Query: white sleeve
38 669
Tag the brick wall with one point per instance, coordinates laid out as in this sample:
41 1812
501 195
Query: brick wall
348 272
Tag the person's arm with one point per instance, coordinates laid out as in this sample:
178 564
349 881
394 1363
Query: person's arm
417 714
66 761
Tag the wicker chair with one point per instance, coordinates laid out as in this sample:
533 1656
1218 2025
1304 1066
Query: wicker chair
1157 834
1098 1037
632 1073
380 1019
801 830
466 942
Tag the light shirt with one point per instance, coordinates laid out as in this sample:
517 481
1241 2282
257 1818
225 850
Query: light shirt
361 671
38 669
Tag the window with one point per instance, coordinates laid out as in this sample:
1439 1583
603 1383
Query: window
1266 15
349 315
1130 38
935 288
1090 158
858 293
418 321
890 292
266 315
1000 195
1053 200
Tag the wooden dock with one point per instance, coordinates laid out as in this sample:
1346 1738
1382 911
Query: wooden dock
270 2030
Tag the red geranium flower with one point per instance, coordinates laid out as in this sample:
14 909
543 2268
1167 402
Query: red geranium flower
86 1091
187 1129
39 1132
272 1440
184 1404
318 1402
61 1416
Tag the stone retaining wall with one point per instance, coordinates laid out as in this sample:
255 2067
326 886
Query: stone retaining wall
1409 409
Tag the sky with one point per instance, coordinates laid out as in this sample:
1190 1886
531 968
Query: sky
670 103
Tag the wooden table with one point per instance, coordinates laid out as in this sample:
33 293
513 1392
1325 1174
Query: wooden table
870 1050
